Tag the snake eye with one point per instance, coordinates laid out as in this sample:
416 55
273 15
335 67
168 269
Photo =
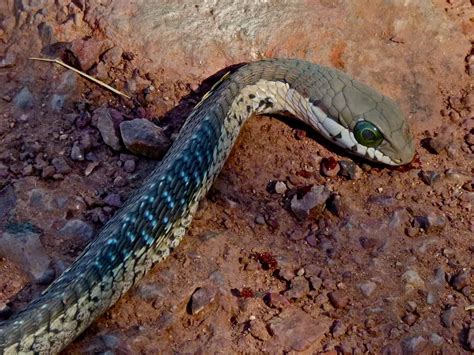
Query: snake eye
367 134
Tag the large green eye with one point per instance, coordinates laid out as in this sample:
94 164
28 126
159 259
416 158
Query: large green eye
367 134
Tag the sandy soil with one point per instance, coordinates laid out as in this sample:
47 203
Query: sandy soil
386 267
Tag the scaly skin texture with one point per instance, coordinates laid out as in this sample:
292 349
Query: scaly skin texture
155 217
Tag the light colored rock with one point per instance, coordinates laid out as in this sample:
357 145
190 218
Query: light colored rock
412 280
296 330
21 244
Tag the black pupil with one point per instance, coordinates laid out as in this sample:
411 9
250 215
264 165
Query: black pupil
368 135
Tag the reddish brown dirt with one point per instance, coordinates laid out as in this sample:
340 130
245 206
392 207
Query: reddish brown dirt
373 238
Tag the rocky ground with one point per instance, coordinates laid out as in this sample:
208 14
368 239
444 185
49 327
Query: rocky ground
298 247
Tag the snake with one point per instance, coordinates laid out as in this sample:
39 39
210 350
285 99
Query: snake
154 219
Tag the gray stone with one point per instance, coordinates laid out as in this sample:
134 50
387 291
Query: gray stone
24 99
338 328
316 282
201 298
436 339
438 144
299 288
77 153
429 177
447 317
57 102
21 244
61 165
78 229
275 300
113 200
46 33
412 280
338 298
317 196
349 170
295 330
414 345
367 288
259 330
68 82
9 60
129 165
144 138
460 280
108 128
113 56
88 51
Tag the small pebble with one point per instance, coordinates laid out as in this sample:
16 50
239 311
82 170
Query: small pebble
78 229
48 171
113 200
260 220
259 330
349 170
24 99
460 280
201 298
429 177
447 317
61 165
338 298
437 144
330 167
90 168
414 345
280 187
295 331
299 288
27 170
436 339
338 328
113 56
120 181
412 280
76 153
317 196
367 288
316 282
129 165
194 87
142 137
409 319
108 127
275 300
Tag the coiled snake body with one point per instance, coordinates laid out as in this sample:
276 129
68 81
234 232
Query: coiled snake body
155 217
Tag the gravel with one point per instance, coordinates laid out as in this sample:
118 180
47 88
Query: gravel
316 196
24 99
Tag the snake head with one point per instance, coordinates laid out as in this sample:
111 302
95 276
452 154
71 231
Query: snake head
376 125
